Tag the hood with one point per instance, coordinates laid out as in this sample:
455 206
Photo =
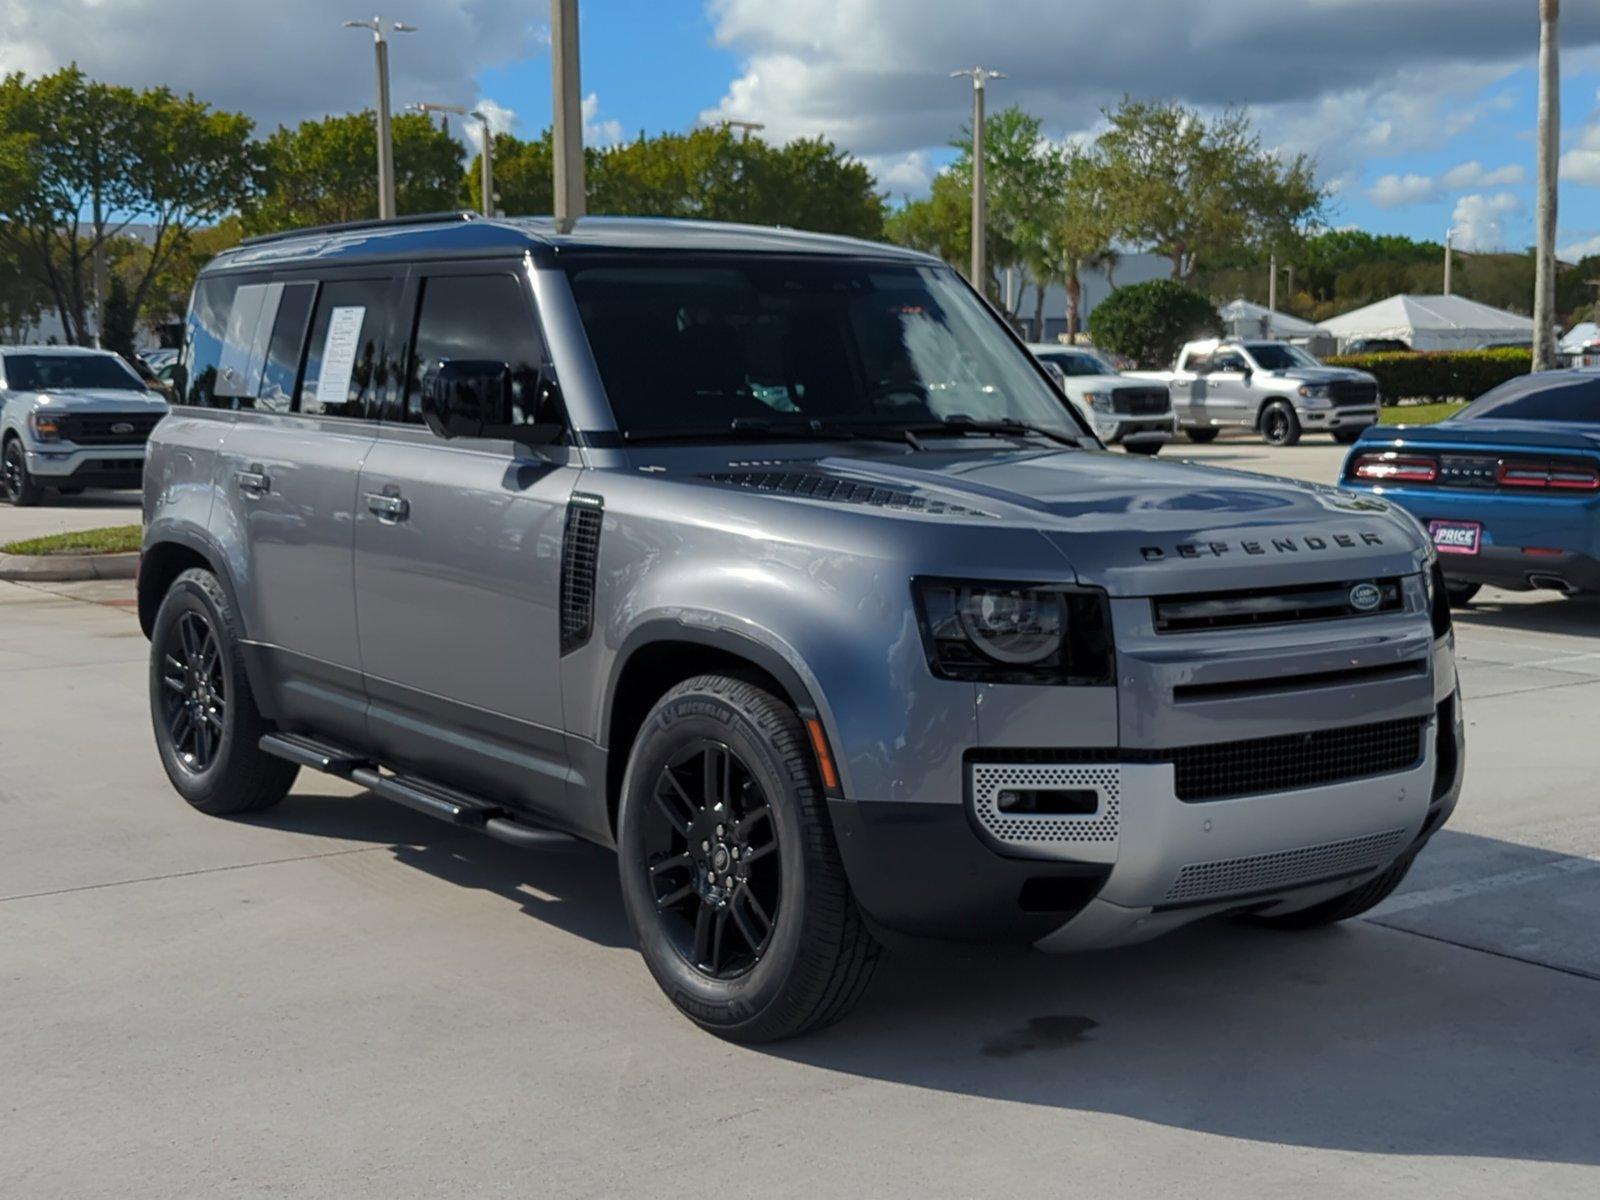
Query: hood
100 400
1325 375
1138 526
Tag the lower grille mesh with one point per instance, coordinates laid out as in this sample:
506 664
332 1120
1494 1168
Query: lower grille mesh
1299 760
1286 868
1021 829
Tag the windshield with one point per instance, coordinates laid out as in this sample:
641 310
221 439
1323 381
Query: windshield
721 342
1078 362
58 372
1532 398
1279 356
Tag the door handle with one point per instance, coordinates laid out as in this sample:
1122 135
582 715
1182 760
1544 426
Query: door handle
254 482
389 509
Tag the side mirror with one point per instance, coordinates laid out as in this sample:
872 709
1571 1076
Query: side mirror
1057 375
464 398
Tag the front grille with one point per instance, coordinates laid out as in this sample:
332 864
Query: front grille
815 486
1277 606
108 429
580 556
1297 760
1139 402
1263 873
1350 392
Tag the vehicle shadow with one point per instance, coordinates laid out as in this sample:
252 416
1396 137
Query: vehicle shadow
1360 1037
1577 616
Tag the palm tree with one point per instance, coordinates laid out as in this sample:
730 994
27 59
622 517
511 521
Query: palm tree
1544 287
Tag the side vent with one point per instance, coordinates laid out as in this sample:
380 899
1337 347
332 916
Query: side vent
580 555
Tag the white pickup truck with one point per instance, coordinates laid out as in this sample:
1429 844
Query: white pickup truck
1274 388
1132 413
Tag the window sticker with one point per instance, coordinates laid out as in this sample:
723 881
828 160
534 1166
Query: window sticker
339 350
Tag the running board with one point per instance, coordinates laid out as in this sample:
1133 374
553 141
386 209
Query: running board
431 799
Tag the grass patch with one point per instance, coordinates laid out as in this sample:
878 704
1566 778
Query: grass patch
1418 414
117 539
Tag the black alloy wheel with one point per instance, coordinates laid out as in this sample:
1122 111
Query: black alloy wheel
194 691
714 860
15 479
1279 426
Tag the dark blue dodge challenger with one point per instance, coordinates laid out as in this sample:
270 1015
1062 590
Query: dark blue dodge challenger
1508 488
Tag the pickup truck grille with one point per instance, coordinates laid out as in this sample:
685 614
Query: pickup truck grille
108 429
1349 392
1191 612
1140 401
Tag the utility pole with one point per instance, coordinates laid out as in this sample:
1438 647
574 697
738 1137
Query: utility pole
1272 285
979 76
1544 286
485 159
1449 256
568 109
380 45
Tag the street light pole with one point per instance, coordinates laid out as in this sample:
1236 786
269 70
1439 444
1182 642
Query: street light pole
979 76
568 111
380 44
1449 256
485 159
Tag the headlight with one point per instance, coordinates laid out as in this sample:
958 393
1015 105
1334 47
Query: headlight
1099 401
46 426
1315 391
1015 633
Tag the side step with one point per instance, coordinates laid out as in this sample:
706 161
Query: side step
309 752
431 799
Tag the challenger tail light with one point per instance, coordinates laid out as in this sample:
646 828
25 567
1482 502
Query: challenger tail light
1558 475
1390 467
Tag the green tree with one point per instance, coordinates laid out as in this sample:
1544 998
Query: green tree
121 320
96 159
940 223
1150 322
23 294
325 171
1079 233
1191 189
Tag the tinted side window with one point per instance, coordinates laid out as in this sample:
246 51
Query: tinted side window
203 342
346 371
483 318
282 365
1533 399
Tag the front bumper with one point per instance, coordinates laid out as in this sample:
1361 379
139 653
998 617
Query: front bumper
1144 862
1347 417
1121 430
62 464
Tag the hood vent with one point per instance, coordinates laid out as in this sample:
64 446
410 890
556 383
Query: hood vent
812 485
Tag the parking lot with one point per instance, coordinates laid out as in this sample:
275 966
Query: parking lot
340 997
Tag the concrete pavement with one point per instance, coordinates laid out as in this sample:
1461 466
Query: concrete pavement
339 998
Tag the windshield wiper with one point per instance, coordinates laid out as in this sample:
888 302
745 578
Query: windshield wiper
1007 426
742 429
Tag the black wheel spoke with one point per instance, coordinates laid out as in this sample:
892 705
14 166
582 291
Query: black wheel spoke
705 923
755 926
678 862
675 897
747 823
674 803
718 766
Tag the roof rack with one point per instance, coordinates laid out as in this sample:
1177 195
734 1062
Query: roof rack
432 218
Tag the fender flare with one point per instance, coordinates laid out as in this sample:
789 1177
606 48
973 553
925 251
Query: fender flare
198 542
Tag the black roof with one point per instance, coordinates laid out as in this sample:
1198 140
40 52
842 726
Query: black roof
456 234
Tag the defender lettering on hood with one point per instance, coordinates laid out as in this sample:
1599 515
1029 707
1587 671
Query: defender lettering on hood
1278 545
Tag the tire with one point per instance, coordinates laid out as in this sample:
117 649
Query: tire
1347 437
1341 908
1460 594
17 481
727 970
1279 425
1201 437
1148 449
197 671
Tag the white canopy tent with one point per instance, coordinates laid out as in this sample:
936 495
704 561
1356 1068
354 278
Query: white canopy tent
1243 318
1431 323
1580 336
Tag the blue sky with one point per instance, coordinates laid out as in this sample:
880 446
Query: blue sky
1419 112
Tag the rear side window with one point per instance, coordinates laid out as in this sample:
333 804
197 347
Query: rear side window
281 365
1536 398
346 370
482 318
204 340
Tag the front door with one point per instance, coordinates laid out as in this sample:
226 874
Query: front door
1228 399
304 364
458 561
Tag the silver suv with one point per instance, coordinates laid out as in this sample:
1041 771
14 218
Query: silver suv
775 562
71 418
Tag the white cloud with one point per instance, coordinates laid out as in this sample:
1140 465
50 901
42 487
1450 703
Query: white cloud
501 120
595 131
1584 248
1472 175
902 175
1479 220
1581 164
1395 191
280 62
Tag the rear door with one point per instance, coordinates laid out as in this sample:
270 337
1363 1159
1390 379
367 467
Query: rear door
306 365
458 558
